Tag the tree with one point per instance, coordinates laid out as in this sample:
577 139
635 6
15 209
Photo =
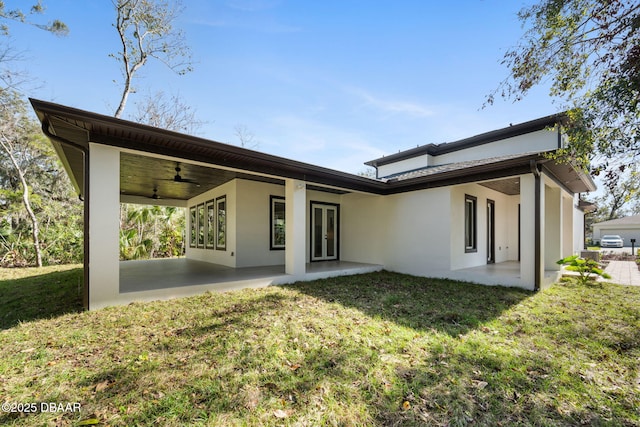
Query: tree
167 112
35 194
146 30
589 53
246 138
151 231
621 198
16 129
17 15
13 133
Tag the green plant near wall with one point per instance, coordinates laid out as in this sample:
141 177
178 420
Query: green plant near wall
586 268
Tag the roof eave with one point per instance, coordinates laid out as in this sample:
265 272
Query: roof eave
122 133
480 139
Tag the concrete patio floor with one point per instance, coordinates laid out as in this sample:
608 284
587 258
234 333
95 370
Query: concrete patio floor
502 273
165 274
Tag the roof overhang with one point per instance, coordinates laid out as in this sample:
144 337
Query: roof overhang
474 141
71 130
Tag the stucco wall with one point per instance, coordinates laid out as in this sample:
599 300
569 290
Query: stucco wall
405 165
253 246
248 227
535 141
539 141
506 226
223 257
417 238
364 228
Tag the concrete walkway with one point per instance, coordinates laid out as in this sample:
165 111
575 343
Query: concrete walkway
623 273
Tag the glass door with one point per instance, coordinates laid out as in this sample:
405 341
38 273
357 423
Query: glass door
324 232
491 231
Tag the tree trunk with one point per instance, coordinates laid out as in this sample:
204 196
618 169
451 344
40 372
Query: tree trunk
27 205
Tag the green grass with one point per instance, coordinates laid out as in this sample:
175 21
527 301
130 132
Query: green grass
375 349
37 293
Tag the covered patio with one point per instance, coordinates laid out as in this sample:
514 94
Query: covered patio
505 273
169 278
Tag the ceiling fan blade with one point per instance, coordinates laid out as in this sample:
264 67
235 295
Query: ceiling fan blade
179 178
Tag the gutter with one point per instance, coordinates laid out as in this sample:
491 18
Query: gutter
537 262
85 200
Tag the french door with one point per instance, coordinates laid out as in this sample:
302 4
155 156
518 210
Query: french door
491 231
324 232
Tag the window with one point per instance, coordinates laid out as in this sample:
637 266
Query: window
201 224
277 216
221 223
193 227
211 225
470 222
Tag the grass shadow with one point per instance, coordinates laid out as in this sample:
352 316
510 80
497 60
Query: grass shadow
40 296
421 303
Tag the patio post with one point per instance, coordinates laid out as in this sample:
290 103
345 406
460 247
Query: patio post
104 225
295 227
553 228
531 237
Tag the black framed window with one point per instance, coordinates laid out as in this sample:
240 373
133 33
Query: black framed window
211 224
201 225
277 221
193 227
221 223
470 223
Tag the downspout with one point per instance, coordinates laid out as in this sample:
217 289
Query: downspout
537 262
85 200
559 135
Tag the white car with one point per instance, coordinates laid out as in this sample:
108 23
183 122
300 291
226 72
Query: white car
611 241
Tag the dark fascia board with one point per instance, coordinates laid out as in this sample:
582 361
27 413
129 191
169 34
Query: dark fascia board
130 135
474 141
586 206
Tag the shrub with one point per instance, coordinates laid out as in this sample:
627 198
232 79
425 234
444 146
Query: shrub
586 268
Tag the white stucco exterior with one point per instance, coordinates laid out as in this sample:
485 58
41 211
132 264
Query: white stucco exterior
104 225
539 141
430 222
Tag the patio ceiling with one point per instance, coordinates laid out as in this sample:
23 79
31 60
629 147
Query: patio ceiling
140 175
508 186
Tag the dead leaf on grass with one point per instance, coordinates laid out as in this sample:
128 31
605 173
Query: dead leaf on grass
279 413
480 385
102 386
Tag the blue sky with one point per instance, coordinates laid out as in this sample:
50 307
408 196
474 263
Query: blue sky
334 83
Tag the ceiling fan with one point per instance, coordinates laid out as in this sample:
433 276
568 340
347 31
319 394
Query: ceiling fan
180 179
155 196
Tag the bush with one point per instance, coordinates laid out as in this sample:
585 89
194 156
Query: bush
586 268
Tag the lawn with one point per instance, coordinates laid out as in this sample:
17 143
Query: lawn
374 349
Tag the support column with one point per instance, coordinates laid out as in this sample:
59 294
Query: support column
104 225
295 227
531 226
553 228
